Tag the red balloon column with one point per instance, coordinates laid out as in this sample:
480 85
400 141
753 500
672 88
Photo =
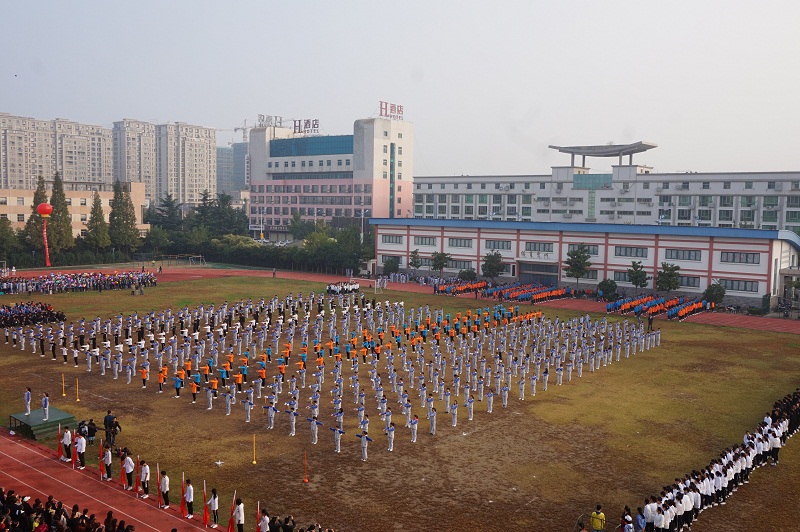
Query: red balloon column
45 210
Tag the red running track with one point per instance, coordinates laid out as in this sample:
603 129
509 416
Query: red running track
30 469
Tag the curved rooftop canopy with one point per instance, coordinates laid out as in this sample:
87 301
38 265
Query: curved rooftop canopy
606 150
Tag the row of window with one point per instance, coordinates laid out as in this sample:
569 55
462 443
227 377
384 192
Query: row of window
286 164
83 202
685 185
324 189
21 217
310 200
740 257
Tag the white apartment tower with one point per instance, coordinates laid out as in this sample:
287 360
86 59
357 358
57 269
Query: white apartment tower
186 162
30 147
135 154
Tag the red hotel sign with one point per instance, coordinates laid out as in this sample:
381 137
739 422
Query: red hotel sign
392 111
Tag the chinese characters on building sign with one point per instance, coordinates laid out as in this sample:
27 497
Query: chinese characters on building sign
307 125
392 111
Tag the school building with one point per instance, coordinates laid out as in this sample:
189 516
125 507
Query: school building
750 263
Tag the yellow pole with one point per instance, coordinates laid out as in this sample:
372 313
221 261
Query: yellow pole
254 449
77 398
63 386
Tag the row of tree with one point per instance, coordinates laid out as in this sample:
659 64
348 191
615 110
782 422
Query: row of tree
120 232
668 278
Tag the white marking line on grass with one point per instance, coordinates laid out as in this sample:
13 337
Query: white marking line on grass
81 491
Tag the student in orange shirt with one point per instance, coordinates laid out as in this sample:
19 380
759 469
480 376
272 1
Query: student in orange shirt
214 382
144 372
194 387
161 379
237 378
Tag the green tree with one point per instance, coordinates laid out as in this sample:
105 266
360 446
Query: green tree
227 219
715 293
9 243
609 289
59 227
439 261
122 221
392 265
414 261
157 239
203 215
492 265
97 228
33 227
468 275
669 277
637 276
168 215
300 228
577 264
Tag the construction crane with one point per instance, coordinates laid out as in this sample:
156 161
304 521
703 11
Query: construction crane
244 129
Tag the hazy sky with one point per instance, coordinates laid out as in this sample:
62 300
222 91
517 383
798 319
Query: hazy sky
488 85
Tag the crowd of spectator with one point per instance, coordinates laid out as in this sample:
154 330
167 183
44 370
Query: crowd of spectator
30 313
21 513
57 283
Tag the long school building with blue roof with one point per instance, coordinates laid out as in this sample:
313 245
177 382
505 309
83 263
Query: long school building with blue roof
750 263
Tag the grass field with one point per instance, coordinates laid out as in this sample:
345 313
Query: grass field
613 436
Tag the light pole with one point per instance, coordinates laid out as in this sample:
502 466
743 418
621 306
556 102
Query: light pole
45 210
33 258
113 256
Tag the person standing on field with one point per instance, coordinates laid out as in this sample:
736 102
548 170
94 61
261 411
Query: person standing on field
598 520
144 478
164 487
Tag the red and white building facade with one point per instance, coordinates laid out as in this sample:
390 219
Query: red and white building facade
749 263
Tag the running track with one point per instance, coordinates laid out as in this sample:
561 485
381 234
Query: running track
31 469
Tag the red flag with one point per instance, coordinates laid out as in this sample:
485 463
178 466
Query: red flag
122 472
158 488
258 513
102 463
136 491
231 526
205 505
60 447
183 493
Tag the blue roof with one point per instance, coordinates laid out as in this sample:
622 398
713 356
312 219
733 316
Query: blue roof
669 230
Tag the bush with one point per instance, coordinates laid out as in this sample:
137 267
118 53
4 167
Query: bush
756 311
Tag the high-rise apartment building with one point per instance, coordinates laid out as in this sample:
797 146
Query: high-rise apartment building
135 154
232 168
186 162
31 147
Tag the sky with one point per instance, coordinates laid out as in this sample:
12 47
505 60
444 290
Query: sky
488 85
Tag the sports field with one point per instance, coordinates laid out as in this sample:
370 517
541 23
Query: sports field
612 436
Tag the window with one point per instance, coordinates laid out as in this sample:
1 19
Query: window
621 277
770 201
459 242
739 286
20 217
392 239
385 148
646 186
347 162
684 214
385 162
386 258
726 185
592 249
454 209
740 257
544 247
3 201
338 162
793 216
459 264
747 216
726 201
20 201
424 241
399 135
665 185
706 185
725 216
498 244
748 185
689 281
770 185
83 202
683 254
630 251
